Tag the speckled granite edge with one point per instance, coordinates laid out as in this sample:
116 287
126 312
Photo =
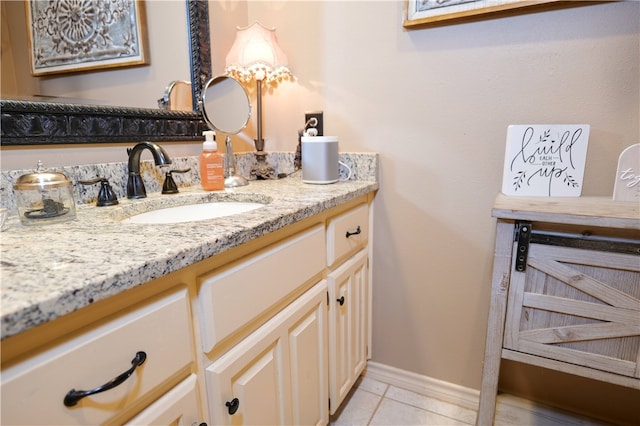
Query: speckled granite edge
97 256
363 165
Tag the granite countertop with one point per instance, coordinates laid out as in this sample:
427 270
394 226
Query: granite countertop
51 270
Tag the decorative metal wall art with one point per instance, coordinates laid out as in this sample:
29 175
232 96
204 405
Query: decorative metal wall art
78 35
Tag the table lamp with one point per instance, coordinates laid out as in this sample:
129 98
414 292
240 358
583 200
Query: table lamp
256 56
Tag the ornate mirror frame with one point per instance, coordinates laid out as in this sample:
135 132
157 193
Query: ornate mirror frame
46 123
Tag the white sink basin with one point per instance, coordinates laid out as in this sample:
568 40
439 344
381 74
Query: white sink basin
193 212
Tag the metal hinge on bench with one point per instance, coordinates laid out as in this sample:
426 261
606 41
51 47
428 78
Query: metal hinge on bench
522 236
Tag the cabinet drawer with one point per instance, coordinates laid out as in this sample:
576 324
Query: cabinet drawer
232 298
347 233
34 389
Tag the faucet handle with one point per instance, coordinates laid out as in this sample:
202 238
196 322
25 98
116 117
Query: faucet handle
169 186
106 196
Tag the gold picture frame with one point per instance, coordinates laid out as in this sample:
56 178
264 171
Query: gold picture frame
69 36
423 13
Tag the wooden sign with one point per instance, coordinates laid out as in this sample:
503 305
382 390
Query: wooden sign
627 186
545 160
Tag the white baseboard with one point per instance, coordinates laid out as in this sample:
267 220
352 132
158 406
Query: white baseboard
509 408
423 385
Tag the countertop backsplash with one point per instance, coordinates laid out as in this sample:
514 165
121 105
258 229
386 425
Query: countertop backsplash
363 166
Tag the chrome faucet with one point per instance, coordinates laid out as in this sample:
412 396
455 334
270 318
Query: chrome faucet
135 185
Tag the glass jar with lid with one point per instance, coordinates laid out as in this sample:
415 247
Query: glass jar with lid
44 197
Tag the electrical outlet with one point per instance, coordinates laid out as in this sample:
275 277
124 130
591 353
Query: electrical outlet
318 116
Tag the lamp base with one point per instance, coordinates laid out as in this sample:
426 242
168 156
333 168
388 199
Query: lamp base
262 170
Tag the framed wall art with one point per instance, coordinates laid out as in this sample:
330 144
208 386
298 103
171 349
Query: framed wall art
421 13
79 35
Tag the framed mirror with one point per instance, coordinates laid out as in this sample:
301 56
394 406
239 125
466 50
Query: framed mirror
46 123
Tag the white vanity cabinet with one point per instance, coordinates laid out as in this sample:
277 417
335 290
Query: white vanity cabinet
566 291
349 300
156 336
293 364
248 336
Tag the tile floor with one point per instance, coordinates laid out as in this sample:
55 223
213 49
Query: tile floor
375 403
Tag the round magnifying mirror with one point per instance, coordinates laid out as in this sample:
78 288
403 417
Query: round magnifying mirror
225 105
226 108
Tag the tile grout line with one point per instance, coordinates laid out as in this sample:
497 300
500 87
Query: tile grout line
382 397
418 407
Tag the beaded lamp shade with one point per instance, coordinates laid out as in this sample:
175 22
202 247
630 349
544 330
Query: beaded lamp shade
256 56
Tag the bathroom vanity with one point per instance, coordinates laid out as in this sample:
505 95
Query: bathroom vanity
565 292
261 317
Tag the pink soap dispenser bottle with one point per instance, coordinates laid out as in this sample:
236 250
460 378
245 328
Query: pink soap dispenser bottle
211 164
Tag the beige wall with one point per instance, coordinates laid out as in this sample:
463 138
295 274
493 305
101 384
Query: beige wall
435 103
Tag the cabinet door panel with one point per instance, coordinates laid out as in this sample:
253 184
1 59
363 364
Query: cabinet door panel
259 388
348 326
287 352
577 306
179 406
251 372
309 365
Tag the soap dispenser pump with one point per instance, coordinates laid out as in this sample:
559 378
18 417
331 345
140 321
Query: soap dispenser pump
211 164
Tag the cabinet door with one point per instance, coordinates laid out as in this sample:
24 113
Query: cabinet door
278 374
307 338
348 325
578 306
179 406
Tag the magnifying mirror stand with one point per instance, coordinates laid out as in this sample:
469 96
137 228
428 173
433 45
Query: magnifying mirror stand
231 179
